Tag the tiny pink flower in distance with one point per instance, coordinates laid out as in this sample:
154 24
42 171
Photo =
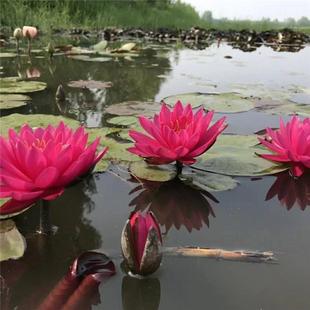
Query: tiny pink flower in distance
39 163
176 135
30 32
291 144
141 243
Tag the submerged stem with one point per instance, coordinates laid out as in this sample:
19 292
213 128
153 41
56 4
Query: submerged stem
179 167
45 226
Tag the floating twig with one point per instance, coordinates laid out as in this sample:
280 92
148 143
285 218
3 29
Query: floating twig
221 254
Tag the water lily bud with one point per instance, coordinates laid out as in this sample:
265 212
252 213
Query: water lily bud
30 32
18 33
141 243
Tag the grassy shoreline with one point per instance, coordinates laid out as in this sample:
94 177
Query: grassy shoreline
147 14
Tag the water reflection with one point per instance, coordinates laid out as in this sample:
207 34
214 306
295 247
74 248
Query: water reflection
46 259
140 294
174 203
291 191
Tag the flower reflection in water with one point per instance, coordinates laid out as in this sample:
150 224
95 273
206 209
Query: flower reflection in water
174 203
291 191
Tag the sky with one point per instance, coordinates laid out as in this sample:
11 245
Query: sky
253 9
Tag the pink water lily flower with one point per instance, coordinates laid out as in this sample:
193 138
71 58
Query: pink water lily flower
291 144
30 32
141 243
176 135
39 163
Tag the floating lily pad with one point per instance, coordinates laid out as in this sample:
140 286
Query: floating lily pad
91 84
209 181
101 46
283 107
235 155
160 173
15 121
10 101
7 55
87 58
12 85
12 243
123 120
125 48
146 108
302 98
80 51
223 103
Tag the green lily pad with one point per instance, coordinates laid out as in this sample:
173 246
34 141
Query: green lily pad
101 46
12 243
91 84
15 121
12 85
222 103
125 48
10 101
7 55
157 173
210 182
80 51
123 120
2 217
87 58
235 155
146 108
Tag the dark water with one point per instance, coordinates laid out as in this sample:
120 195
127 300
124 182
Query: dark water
91 214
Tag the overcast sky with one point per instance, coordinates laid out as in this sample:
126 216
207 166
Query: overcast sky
253 9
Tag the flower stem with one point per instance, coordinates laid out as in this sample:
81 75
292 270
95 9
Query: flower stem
45 226
179 167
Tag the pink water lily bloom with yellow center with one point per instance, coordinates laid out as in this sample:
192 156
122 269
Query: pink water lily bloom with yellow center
290 144
176 135
39 163
30 32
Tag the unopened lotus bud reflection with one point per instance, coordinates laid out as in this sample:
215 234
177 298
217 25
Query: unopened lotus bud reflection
141 243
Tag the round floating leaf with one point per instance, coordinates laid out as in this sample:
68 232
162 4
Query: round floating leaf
15 121
209 181
123 120
222 103
101 46
160 173
302 98
146 108
126 47
12 243
10 101
12 85
236 155
91 84
7 55
80 51
87 58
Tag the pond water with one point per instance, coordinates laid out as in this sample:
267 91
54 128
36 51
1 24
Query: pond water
266 213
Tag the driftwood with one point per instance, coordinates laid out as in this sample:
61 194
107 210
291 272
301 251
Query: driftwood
221 254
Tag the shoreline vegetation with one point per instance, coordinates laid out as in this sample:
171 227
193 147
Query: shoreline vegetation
50 16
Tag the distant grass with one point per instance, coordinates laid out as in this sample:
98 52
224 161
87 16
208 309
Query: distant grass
97 14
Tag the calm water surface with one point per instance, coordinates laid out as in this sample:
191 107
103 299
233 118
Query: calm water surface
91 214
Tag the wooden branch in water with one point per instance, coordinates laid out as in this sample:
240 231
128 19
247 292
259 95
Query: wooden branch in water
221 254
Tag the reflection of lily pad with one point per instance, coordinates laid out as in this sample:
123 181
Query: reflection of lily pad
146 108
123 120
144 171
91 84
10 101
12 85
235 155
12 243
223 103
